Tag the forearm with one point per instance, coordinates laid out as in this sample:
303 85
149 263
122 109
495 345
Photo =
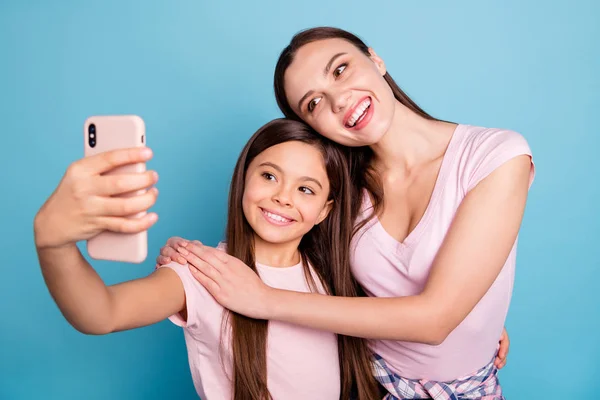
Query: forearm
77 289
411 318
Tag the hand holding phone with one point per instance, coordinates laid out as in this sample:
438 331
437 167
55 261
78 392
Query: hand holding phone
103 197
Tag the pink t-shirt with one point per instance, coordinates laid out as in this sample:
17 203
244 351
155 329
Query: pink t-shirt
302 363
388 268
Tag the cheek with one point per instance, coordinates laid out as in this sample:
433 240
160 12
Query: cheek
386 95
252 195
246 205
310 211
372 80
326 124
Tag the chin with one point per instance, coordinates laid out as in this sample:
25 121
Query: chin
361 139
367 136
274 236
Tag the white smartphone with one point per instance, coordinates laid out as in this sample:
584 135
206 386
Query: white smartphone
111 132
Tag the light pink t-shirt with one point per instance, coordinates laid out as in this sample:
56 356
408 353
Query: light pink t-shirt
302 363
388 268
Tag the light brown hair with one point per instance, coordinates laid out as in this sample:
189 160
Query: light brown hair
363 176
325 248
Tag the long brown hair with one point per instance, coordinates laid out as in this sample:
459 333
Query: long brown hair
325 247
363 176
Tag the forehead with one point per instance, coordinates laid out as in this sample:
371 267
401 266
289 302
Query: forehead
295 158
309 62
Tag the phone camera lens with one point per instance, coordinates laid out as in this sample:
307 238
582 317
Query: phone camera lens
92 135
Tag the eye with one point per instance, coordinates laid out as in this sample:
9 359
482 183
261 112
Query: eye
339 70
313 103
305 190
268 176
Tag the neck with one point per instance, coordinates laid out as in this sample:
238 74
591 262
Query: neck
276 254
411 141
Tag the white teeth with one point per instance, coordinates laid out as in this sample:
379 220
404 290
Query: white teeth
277 217
358 112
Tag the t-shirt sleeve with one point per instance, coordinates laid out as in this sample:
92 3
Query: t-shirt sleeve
488 150
193 298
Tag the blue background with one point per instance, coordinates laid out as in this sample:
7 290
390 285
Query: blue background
200 74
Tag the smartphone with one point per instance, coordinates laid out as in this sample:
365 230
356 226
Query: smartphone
112 132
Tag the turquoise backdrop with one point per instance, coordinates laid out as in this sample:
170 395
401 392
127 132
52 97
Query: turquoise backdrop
200 74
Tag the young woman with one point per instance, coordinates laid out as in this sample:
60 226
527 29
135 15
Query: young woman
289 208
437 211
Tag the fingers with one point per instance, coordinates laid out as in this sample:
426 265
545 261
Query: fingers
221 255
503 351
125 206
499 363
108 160
503 348
176 242
209 253
214 257
504 345
128 225
162 260
170 253
110 185
210 285
204 267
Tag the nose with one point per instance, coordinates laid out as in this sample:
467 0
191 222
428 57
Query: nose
283 197
341 101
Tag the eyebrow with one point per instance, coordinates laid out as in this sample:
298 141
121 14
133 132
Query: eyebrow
302 178
330 63
325 72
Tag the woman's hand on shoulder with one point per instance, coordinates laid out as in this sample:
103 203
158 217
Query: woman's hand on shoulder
169 253
232 283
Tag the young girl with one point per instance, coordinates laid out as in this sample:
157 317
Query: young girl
437 210
288 220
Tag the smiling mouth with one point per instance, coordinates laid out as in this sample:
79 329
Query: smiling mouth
359 113
277 219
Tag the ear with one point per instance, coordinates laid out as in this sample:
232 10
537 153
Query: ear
378 62
324 212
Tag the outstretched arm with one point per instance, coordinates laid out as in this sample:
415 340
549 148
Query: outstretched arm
92 307
84 204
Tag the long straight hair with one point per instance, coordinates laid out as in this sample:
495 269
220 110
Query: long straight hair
325 248
360 158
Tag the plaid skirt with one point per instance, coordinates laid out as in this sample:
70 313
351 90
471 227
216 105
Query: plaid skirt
483 385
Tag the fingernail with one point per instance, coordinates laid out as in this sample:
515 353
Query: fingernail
154 175
181 260
184 244
183 251
168 259
146 152
153 217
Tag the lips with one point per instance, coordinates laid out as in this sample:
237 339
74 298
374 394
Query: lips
357 114
276 218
